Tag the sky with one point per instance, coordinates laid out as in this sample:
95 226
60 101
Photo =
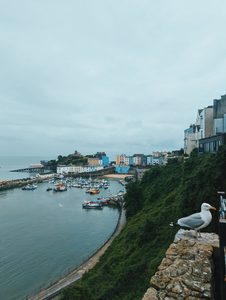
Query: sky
122 76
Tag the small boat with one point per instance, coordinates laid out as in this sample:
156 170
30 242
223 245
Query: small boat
60 187
49 189
29 187
92 204
94 191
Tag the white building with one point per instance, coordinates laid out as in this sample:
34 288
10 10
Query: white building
202 128
77 169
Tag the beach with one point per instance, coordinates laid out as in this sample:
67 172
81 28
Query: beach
117 176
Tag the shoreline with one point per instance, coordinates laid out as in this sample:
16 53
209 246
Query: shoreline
53 291
117 176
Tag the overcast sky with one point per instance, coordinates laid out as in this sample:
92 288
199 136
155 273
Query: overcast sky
121 76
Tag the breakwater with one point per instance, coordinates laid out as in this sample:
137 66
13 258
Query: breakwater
17 183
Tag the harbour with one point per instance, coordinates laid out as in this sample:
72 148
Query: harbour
44 235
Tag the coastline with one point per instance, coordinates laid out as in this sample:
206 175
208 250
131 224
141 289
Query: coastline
53 291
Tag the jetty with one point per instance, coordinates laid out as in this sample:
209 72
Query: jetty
31 169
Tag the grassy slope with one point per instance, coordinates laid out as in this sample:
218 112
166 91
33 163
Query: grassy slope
164 194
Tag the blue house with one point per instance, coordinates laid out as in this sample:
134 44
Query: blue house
105 161
122 169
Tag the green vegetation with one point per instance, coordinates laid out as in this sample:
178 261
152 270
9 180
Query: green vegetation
72 159
164 195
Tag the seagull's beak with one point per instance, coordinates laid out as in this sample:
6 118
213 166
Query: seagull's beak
213 208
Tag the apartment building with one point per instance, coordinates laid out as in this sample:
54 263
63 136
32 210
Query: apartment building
202 128
205 133
219 115
77 169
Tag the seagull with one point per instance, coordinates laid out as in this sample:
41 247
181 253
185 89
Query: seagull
197 221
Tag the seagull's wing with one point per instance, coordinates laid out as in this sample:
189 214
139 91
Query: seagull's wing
192 221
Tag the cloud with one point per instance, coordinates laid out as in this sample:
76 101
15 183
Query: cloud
116 76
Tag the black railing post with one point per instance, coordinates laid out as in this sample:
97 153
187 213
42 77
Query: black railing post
222 239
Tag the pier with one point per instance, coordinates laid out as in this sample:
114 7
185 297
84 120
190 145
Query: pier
30 170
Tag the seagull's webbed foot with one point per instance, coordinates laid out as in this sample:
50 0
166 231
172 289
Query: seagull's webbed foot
198 234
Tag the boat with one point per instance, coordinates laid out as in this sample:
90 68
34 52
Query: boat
60 187
94 191
92 204
49 189
29 187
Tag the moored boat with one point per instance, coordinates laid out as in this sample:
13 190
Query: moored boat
94 191
29 187
92 204
60 187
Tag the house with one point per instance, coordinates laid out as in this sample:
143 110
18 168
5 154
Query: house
202 128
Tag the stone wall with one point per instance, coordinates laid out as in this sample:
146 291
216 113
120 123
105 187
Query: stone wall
186 272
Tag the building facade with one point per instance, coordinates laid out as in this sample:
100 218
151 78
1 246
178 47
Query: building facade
219 115
157 158
77 169
208 132
212 143
202 128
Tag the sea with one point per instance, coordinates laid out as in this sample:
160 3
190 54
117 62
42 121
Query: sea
44 235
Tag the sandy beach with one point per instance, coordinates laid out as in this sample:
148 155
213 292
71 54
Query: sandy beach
117 176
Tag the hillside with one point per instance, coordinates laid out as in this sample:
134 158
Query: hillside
164 194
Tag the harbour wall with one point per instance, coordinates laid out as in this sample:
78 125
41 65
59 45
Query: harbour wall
17 183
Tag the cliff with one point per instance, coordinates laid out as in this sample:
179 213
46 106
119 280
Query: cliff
187 270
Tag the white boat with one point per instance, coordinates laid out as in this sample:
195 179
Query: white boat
60 187
92 204
29 187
